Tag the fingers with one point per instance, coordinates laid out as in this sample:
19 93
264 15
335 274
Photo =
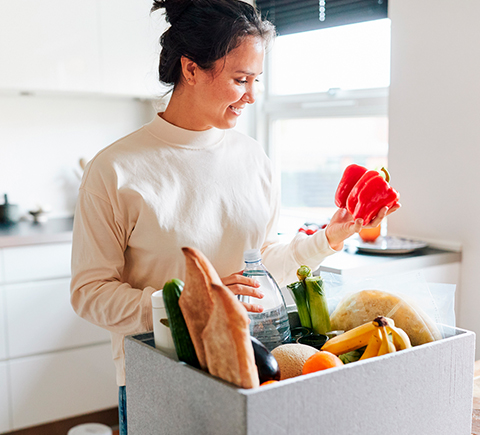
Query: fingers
244 290
384 211
243 285
394 208
358 225
253 308
232 279
340 216
378 219
239 284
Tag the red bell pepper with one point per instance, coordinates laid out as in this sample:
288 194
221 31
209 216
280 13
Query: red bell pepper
350 176
367 195
353 195
371 193
375 194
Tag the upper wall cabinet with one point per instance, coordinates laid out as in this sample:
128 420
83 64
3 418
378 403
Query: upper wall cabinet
98 46
130 47
49 46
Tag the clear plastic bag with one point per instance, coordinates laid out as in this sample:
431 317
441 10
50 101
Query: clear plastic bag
435 299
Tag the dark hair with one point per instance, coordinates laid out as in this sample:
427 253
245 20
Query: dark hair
205 31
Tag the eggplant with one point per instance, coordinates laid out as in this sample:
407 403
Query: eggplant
267 365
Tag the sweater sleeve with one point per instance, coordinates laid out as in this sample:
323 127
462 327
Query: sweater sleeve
97 292
283 259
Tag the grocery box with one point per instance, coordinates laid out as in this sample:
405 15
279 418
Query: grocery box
427 389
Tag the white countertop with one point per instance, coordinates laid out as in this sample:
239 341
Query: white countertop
353 263
347 262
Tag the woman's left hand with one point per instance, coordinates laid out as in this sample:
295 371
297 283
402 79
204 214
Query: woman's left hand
243 285
342 225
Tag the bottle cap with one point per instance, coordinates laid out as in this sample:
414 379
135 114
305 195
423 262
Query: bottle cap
157 299
252 255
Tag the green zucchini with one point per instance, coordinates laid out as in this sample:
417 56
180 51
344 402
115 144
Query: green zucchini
317 303
181 337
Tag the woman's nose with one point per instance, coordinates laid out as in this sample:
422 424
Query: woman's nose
249 96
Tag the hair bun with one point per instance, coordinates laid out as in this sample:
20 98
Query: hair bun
173 8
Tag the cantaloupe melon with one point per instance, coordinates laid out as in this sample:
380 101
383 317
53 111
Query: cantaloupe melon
291 357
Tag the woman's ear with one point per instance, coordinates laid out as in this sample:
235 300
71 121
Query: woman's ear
189 70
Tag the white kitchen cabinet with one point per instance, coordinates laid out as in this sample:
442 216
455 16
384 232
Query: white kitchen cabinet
41 319
103 47
49 46
58 385
56 365
28 263
5 410
446 273
3 320
2 267
130 48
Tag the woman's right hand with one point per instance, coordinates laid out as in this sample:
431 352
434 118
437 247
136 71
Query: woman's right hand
243 285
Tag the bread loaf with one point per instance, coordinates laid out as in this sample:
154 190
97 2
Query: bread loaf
217 322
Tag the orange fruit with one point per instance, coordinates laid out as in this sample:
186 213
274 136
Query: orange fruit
268 382
320 361
370 234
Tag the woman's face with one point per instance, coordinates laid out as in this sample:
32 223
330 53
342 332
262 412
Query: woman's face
221 95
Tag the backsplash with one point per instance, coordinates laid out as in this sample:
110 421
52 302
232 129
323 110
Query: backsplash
42 139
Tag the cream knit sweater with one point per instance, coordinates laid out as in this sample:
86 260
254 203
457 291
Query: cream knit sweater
158 189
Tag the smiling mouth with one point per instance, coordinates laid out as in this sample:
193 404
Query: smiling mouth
235 110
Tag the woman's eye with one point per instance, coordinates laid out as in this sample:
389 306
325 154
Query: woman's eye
242 82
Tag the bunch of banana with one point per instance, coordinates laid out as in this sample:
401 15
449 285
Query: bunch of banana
380 337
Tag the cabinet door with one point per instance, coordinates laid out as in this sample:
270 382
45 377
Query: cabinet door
130 47
3 337
61 385
49 45
5 425
41 319
3 332
25 263
2 267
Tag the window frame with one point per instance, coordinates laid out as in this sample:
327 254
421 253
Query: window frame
333 103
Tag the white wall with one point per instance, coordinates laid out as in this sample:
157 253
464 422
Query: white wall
42 139
435 132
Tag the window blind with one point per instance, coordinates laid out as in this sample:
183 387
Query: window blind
295 16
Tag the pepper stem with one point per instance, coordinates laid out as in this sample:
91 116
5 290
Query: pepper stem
385 174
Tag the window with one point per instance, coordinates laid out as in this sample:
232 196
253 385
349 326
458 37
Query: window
324 107
356 56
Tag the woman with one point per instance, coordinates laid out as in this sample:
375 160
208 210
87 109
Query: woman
187 179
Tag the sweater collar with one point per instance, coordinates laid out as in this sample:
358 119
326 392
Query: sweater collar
178 136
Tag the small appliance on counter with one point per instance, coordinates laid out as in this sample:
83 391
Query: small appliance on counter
9 213
39 214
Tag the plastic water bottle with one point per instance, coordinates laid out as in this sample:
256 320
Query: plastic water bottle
271 326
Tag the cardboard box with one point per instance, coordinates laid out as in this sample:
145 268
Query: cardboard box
425 390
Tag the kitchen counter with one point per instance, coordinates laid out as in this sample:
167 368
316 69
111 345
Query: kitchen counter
30 233
350 262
